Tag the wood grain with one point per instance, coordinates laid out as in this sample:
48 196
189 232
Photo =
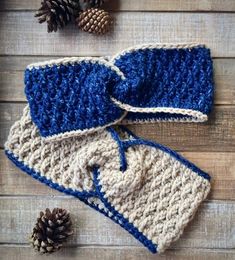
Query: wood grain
12 78
19 63
212 226
217 30
12 177
218 134
210 236
221 167
133 5
115 253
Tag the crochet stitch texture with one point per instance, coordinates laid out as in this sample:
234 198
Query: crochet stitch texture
65 140
145 187
73 96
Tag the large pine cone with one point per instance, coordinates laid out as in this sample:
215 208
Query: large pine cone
57 13
94 20
51 230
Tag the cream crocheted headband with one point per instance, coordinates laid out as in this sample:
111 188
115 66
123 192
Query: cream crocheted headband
146 188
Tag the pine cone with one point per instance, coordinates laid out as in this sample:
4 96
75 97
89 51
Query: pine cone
94 20
87 4
51 230
57 13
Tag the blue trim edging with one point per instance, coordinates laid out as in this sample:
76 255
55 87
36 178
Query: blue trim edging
84 196
124 145
177 156
124 222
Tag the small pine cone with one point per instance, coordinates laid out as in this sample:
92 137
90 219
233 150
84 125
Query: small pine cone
57 13
87 4
51 230
94 20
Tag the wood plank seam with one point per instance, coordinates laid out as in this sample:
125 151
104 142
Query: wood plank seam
213 226
193 24
131 5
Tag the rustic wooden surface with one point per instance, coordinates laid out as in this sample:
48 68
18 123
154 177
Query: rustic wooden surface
211 145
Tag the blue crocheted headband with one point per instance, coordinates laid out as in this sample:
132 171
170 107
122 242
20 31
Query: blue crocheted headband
72 96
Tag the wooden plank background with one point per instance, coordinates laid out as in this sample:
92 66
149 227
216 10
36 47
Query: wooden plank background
24 36
210 145
132 5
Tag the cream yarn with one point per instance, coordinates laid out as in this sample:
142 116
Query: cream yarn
154 198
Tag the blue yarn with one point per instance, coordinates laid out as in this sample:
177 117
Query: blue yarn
124 145
177 156
71 97
129 132
84 196
123 161
177 78
43 179
77 96
124 222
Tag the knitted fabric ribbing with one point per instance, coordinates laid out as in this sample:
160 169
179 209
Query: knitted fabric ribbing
73 96
146 188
